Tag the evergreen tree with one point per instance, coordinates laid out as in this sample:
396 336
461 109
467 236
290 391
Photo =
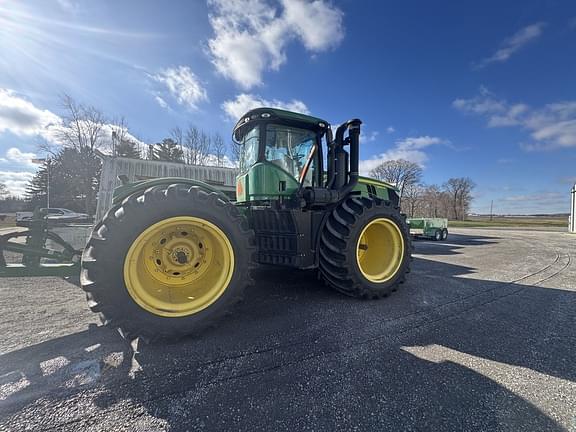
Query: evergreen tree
36 191
74 179
127 149
168 150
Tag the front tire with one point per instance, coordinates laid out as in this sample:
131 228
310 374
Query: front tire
167 262
365 248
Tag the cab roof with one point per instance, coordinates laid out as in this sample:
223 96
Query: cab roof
298 119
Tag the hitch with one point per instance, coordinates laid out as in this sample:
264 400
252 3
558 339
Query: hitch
36 258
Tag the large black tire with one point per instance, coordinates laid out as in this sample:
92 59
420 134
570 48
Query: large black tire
102 275
339 266
444 233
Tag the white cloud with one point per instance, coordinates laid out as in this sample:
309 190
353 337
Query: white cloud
161 101
390 129
21 117
369 137
411 149
512 44
16 169
243 103
19 157
550 127
16 181
250 36
317 23
183 85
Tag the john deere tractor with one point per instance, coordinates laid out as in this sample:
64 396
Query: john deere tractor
172 255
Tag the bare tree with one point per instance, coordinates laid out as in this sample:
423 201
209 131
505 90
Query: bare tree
431 201
219 148
459 191
413 202
191 144
197 145
236 152
119 133
205 143
400 172
82 126
177 136
81 134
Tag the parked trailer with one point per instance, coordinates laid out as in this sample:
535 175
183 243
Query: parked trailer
432 228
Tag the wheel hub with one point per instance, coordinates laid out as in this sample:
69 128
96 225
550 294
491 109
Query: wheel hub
177 255
379 250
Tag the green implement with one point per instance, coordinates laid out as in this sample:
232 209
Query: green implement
432 228
30 247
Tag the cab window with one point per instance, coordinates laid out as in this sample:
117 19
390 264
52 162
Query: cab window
290 148
249 152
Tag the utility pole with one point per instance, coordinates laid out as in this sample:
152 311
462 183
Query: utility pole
48 163
572 226
114 142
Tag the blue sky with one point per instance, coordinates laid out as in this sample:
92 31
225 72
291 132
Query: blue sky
480 89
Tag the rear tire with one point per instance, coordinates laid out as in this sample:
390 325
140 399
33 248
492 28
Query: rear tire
444 234
343 265
123 286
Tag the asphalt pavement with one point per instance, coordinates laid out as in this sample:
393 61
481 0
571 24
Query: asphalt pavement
480 338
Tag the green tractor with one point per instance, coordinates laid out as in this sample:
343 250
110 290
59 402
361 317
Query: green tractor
172 256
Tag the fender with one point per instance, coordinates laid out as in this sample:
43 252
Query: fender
125 190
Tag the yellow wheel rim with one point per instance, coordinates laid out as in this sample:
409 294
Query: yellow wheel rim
179 266
380 250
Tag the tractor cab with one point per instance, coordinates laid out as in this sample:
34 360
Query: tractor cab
282 157
281 152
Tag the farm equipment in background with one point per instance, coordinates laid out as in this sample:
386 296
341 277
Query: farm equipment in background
172 255
39 251
431 228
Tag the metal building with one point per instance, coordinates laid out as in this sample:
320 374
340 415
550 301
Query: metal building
572 226
138 169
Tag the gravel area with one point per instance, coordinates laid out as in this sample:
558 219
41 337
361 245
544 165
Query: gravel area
481 337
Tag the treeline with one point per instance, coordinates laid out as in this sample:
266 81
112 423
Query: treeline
72 169
71 172
450 200
9 203
191 146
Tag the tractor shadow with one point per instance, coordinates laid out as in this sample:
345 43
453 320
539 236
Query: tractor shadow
294 350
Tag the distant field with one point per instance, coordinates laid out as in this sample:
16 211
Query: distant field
7 221
506 221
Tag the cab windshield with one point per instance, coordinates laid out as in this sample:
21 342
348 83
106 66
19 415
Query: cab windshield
289 148
249 150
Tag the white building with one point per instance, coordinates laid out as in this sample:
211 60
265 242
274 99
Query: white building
138 169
